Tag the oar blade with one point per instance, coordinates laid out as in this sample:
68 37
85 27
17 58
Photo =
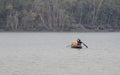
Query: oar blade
85 45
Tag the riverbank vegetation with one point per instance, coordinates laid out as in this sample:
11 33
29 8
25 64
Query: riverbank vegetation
59 15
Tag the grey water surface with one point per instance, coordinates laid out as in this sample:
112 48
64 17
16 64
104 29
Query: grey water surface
51 54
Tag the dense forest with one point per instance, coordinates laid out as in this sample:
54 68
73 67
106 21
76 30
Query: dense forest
59 15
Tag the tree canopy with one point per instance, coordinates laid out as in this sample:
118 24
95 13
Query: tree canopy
59 15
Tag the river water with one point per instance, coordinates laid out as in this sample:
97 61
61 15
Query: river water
51 54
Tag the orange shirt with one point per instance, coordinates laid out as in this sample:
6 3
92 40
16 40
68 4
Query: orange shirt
75 43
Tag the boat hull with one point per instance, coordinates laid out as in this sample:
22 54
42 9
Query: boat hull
79 46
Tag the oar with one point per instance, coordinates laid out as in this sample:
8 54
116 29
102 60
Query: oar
85 45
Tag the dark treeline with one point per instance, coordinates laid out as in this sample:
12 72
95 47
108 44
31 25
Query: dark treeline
59 15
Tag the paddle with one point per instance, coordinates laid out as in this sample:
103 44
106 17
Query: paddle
85 45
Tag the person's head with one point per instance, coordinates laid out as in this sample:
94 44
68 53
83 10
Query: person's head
78 39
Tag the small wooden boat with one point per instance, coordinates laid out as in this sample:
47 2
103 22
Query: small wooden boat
78 46
75 45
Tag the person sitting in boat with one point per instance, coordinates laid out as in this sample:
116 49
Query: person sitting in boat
76 44
79 42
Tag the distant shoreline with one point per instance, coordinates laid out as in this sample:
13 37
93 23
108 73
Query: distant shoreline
56 31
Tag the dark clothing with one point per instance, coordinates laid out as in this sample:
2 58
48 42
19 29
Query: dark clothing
79 42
